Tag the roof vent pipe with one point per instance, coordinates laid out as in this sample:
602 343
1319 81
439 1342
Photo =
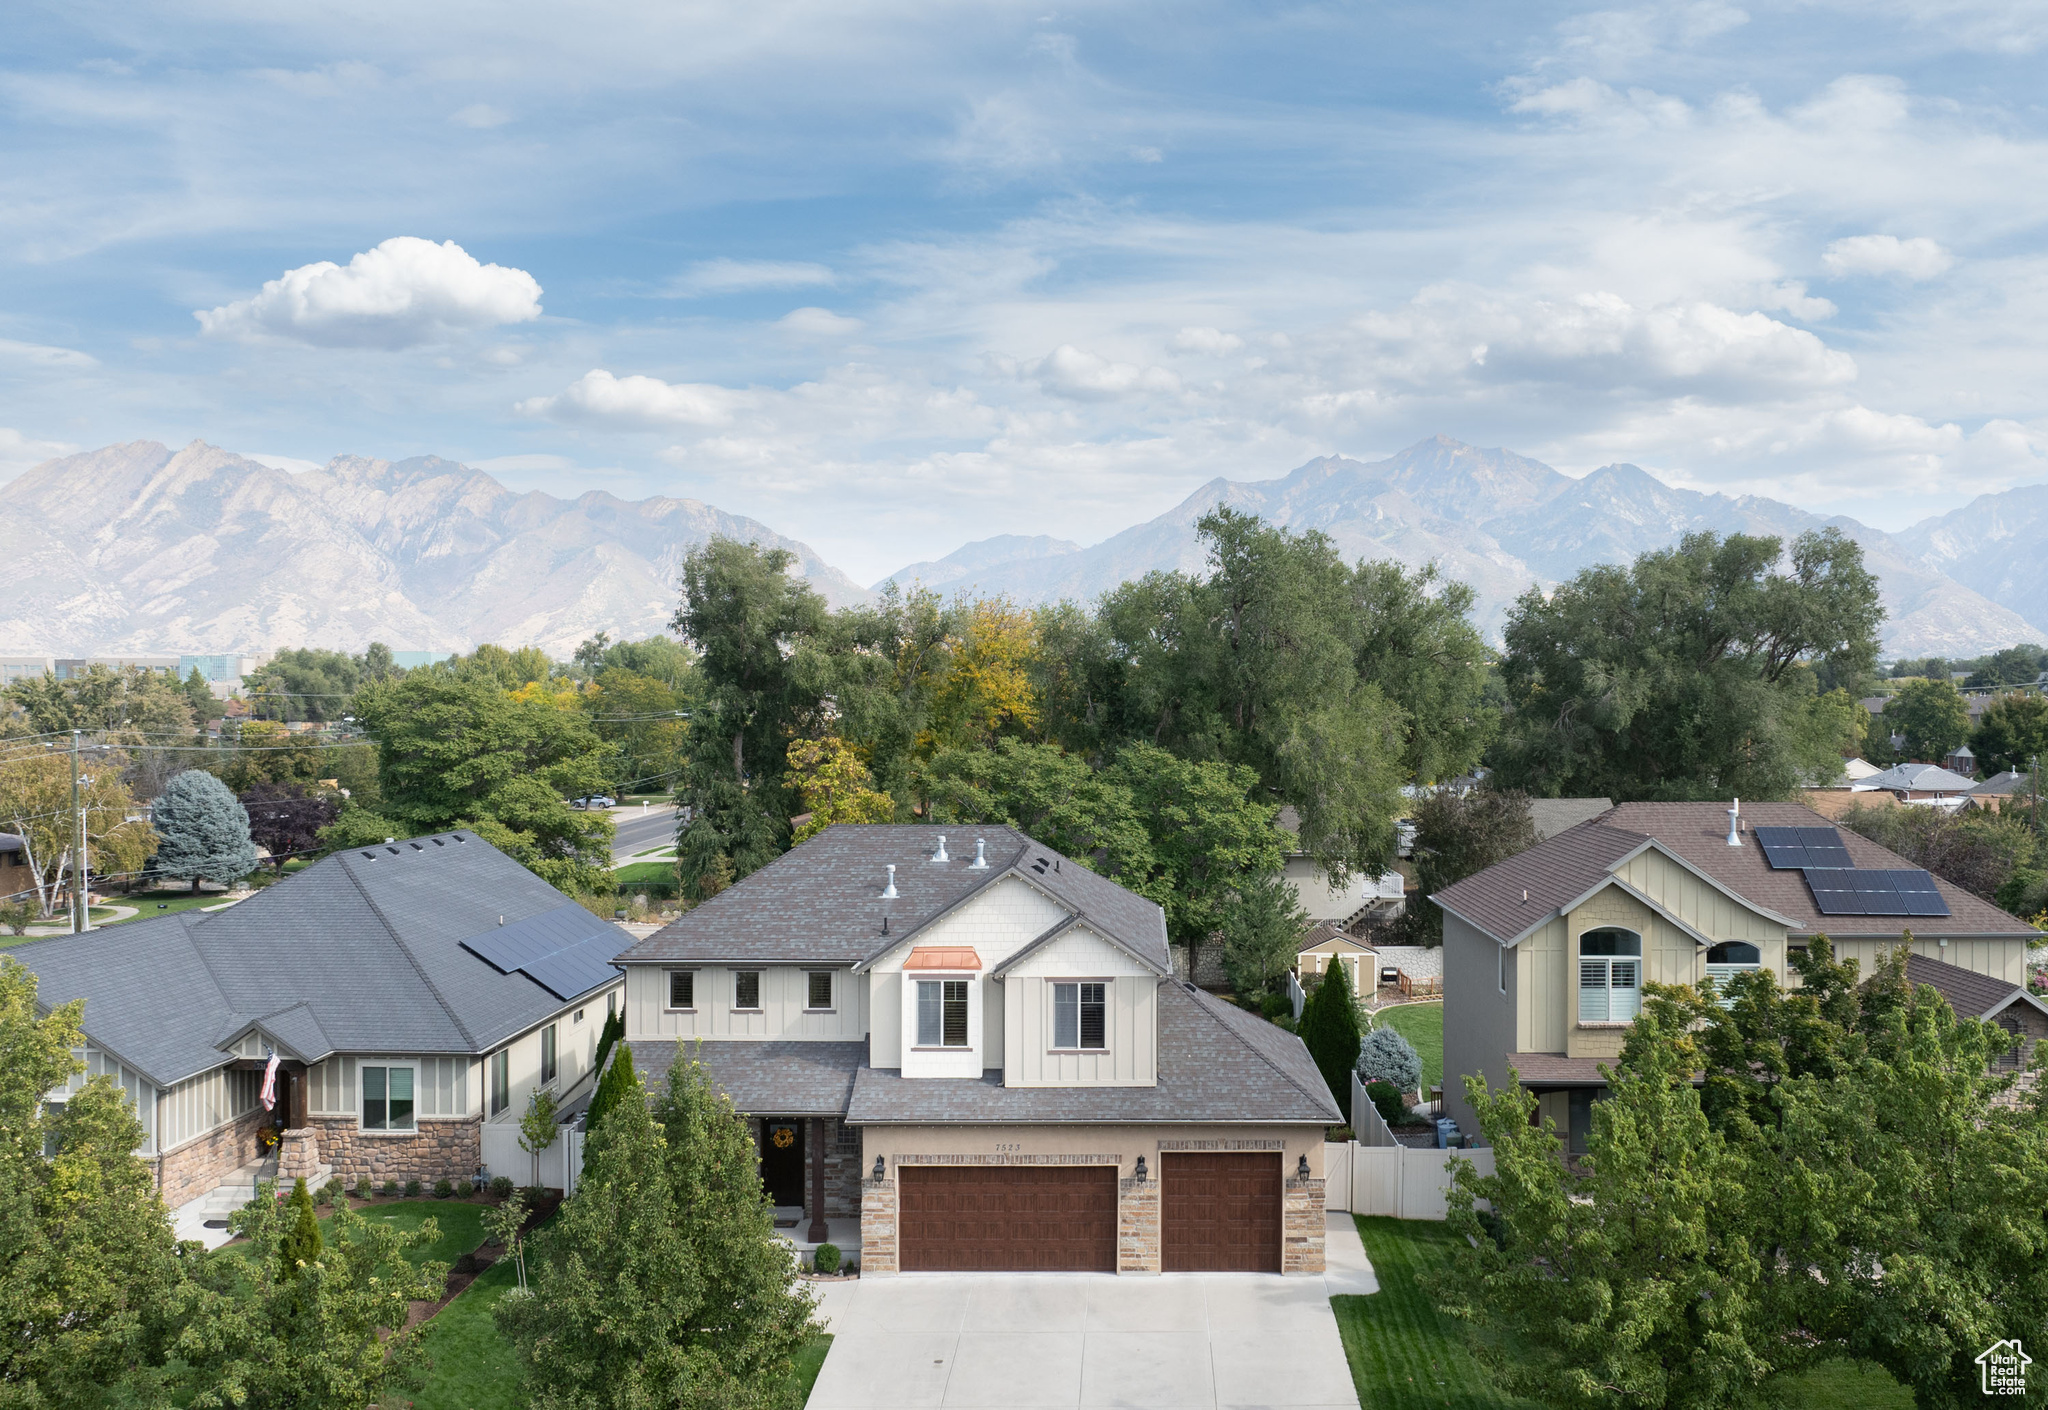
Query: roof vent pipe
889 891
1734 818
940 855
980 862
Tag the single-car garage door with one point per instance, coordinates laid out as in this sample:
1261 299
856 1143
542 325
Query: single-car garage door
1006 1218
1219 1213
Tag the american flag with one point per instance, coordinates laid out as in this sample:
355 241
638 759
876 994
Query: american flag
270 1084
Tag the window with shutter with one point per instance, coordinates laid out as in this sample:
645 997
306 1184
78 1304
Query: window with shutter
682 988
928 1013
819 989
1610 976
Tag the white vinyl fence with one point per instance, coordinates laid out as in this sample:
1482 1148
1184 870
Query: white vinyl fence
560 1163
1376 1174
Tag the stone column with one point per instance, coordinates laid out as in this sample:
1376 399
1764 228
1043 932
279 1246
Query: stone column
1301 1226
877 1228
1137 1223
298 1155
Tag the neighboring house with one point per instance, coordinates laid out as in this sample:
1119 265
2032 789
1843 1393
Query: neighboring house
1930 785
15 877
1322 899
1554 815
1410 971
1961 760
976 1046
1545 954
1980 996
412 992
2001 789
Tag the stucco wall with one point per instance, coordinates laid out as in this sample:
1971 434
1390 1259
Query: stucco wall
1479 1021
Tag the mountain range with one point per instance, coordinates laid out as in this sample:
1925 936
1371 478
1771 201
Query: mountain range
139 548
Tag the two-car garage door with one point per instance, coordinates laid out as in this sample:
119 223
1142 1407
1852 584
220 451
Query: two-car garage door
1219 1212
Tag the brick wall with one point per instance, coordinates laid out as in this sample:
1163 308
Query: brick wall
877 1227
1302 1225
1137 1225
197 1166
439 1150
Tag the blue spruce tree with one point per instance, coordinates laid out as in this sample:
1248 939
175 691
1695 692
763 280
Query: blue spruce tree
204 831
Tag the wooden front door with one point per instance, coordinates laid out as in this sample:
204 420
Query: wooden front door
782 1159
1219 1213
1006 1218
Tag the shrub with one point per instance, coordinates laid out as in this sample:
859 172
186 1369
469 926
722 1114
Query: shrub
826 1259
534 1194
1386 1099
1329 1029
363 1187
325 1194
412 1189
1385 1056
392 1189
501 1187
443 1188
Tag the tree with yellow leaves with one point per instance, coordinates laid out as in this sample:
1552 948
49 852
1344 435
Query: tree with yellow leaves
987 692
835 787
36 805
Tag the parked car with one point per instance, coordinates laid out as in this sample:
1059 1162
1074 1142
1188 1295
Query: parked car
596 800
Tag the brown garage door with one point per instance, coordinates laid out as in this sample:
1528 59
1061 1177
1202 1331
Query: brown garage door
1219 1213
1007 1218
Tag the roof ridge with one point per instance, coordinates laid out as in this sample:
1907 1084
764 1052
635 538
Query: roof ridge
406 950
1251 1047
185 929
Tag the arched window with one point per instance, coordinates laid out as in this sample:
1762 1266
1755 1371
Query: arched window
1610 976
1725 961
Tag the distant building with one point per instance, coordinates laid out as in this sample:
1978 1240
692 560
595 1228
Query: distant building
409 659
18 668
68 667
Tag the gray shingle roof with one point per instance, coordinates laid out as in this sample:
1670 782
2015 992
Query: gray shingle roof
360 952
1216 1064
1918 778
1509 897
2004 785
1553 815
1970 994
822 902
773 1078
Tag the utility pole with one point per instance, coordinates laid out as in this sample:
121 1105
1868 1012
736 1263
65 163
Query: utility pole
77 857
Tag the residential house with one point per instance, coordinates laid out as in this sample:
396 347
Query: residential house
1991 1000
15 878
1545 954
1961 760
1321 898
412 994
1929 785
976 1047
2003 789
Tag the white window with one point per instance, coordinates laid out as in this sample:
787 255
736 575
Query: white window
501 1080
1080 1015
388 1098
547 1053
818 990
746 988
942 1013
1610 976
682 989
1725 961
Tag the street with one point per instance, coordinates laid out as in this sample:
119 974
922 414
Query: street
641 828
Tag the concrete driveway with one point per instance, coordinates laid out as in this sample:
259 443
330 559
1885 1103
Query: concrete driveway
1004 1340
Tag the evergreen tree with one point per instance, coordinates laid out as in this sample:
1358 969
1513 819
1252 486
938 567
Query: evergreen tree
619 1084
1329 1028
203 830
613 1030
300 1244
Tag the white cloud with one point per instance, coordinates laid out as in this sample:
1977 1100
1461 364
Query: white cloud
405 292
1792 297
43 355
739 276
480 116
818 323
1915 259
19 452
1067 371
635 403
1213 341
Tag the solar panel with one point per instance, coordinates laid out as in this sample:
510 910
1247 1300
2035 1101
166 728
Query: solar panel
566 951
1918 894
1824 847
1834 891
1784 847
1875 891
576 970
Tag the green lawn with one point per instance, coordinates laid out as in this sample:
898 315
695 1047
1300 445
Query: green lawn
460 1223
474 1368
1405 1357
640 873
1422 1025
150 904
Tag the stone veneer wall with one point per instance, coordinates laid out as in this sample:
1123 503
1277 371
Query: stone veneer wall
1137 1225
203 1162
1302 1226
877 1227
439 1150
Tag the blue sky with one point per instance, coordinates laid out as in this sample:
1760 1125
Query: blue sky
890 277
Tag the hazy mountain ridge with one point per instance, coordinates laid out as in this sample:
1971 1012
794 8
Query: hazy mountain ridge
1504 522
139 548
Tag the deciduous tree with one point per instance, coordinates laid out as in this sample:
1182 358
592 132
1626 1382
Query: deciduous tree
1459 833
834 786
1933 717
2012 733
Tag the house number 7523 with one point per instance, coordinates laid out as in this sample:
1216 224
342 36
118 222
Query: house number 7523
1006 1150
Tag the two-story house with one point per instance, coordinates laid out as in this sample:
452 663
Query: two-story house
976 1046
1546 953
412 994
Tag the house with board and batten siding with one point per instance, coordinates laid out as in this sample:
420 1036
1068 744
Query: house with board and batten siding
1546 954
412 995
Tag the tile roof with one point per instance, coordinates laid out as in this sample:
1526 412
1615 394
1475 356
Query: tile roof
1970 994
822 902
1217 1063
772 1078
1557 872
360 952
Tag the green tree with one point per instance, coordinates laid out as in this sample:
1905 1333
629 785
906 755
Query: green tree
538 1128
618 1084
1978 850
460 751
661 1283
1051 796
203 831
834 786
1329 1028
2012 733
493 664
642 718
1686 674
1932 715
299 1246
133 701
2015 665
1415 640
199 695
613 1030
1261 925
304 684
504 1223
1459 834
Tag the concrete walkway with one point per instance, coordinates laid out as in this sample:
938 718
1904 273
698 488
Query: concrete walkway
995 1340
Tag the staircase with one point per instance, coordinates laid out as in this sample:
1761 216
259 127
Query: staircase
240 1187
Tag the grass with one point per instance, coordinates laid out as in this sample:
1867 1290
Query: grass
1404 1356
474 1365
151 904
460 1223
640 873
810 1359
1422 1025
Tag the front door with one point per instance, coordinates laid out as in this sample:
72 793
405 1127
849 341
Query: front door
782 1160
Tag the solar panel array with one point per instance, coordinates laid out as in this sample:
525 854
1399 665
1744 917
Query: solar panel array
1841 891
567 951
1796 848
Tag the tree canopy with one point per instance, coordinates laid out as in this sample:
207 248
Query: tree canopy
1933 717
2012 733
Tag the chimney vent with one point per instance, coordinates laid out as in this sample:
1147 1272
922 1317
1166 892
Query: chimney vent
889 891
940 855
1734 818
980 862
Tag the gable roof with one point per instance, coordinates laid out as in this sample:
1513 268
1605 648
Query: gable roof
1556 873
1917 778
2003 784
822 902
1970 994
360 952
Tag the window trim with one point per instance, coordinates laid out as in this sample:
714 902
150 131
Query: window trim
1078 1047
737 1006
966 1044
387 1066
669 1003
1503 970
831 988
497 1093
550 1053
